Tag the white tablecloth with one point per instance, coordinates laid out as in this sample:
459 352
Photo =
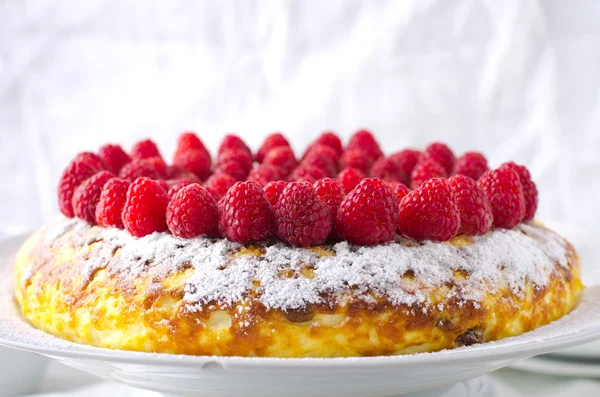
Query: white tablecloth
61 381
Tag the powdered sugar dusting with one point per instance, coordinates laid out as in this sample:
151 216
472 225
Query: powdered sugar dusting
285 277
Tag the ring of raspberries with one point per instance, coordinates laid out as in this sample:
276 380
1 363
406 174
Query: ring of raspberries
354 193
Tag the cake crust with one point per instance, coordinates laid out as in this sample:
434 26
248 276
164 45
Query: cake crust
203 296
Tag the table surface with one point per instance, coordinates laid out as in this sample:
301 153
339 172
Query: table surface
62 381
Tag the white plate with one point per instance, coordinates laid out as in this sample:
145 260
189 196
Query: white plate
549 365
265 377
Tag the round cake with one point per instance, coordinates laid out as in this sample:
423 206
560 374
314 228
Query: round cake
205 296
341 252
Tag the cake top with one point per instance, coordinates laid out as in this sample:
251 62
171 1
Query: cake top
332 193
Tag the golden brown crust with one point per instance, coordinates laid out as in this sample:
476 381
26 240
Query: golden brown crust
147 312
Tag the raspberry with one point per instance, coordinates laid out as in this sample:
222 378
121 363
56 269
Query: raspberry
263 174
163 184
219 184
330 191
193 212
282 157
194 160
92 159
175 185
317 149
144 149
406 160
159 165
430 212
189 141
145 208
442 154
356 158
401 191
330 139
387 169
307 173
349 178
111 203
302 217
505 194
323 163
474 208
87 194
426 169
365 141
75 173
530 191
233 142
368 214
273 190
234 169
138 168
245 214
114 157
175 172
242 157
271 142
471 164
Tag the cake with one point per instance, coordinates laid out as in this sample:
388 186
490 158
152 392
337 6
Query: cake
209 288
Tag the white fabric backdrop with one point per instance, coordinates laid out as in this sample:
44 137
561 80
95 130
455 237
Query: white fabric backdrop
516 79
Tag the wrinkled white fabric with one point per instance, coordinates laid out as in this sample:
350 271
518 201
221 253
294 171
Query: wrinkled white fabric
515 79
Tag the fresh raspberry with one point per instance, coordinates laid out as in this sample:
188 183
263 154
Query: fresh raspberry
368 214
111 203
426 169
349 178
283 158
234 169
365 141
430 212
190 141
245 214
317 149
175 172
273 190
302 217
144 149
91 159
195 161
271 142
330 139
114 157
330 191
75 173
163 184
219 184
145 208
442 154
159 165
505 194
471 164
139 168
315 159
263 174
406 161
530 191
307 173
400 190
356 158
87 194
233 142
193 212
175 185
387 169
474 208
242 157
